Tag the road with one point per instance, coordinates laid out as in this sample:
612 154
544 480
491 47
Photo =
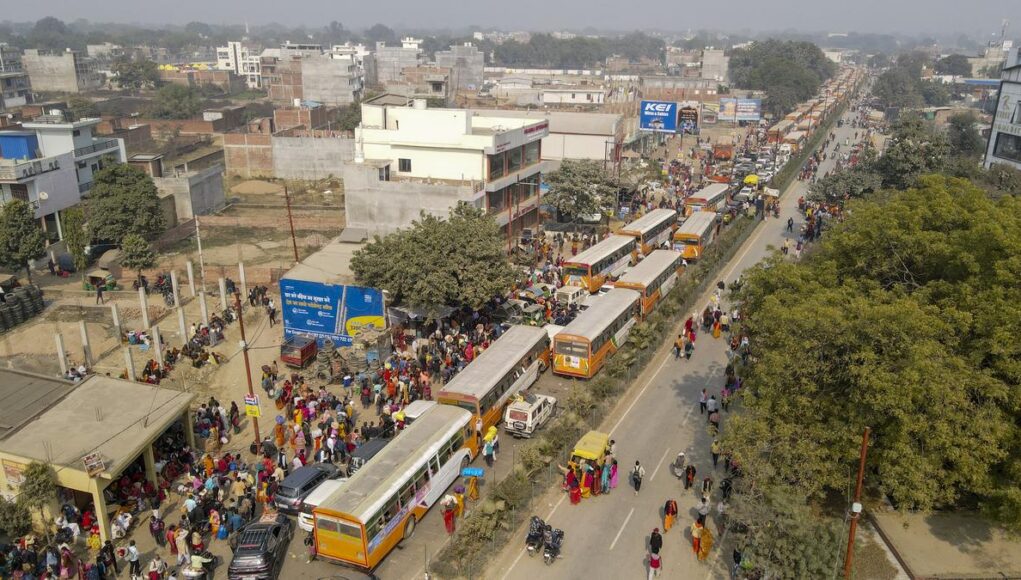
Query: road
607 536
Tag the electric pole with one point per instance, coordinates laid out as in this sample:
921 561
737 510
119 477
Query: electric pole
856 506
290 219
248 368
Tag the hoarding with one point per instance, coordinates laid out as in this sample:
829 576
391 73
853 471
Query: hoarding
658 116
710 113
735 110
688 120
333 311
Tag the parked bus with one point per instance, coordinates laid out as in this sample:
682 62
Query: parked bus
653 277
710 198
695 235
581 348
653 230
512 363
591 268
381 505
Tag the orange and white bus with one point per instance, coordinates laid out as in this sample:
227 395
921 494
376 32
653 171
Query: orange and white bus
607 259
512 363
710 198
653 230
383 502
581 348
653 277
695 235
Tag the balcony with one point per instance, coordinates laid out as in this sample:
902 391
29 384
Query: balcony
15 170
96 147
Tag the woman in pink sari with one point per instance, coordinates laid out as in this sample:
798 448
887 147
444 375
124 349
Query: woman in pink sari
613 475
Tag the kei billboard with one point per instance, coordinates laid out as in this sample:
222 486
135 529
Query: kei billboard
658 116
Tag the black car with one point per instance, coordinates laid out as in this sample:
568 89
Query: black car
295 487
261 548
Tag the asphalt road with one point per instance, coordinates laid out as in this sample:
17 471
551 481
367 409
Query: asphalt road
607 536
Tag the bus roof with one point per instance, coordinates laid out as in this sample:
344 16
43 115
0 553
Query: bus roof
710 191
649 221
697 223
495 362
380 478
601 250
651 267
603 310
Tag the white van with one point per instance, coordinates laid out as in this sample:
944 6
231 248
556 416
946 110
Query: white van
523 417
318 496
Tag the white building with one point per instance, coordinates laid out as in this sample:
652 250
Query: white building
1004 144
49 163
492 161
242 60
576 95
573 135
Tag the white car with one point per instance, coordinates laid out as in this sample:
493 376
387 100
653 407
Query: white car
524 416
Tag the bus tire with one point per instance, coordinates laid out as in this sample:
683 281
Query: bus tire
409 528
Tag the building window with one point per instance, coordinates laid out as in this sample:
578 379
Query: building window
404 165
531 153
1008 147
496 169
384 173
515 159
76 133
1016 117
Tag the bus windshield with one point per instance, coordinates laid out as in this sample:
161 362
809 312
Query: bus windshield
570 270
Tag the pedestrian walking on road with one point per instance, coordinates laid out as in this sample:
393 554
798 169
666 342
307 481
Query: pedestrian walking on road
678 346
712 405
714 423
707 486
99 295
637 474
790 224
702 400
655 565
703 510
669 514
689 476
696 536
714 450
655 541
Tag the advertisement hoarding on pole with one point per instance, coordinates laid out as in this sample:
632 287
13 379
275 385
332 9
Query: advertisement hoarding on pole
334 311
658 116
735 110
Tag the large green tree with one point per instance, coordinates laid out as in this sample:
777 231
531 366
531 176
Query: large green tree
915 148
15 518
38 490
788 71
82 107
21 238
123 201
902 320
136 253
458 261
580 187
850 183
176 102
76 236
136 74
954 64
964 137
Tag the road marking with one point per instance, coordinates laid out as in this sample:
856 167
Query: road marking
666 359
658 465
622 526
562 498
514 563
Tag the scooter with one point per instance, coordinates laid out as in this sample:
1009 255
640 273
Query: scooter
534 539
553 542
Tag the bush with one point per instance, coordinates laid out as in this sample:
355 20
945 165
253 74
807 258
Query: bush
580 401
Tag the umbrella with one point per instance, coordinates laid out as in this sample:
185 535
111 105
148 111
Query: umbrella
751 179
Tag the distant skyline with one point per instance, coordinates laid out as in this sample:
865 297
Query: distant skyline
911 17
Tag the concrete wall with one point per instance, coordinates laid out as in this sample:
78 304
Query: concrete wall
195 193
384 206
50 72
559 146
61 187
329 81
310 158
248 154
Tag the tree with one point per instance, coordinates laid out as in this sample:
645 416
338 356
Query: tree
381 33
132 74
789 71
82 107
459 261
15 518
580 187
896 87
176 102
898 321
915 148
349 117
954 64
76 236
964 138
21 239
123 201
136 253
38 490
934 94
846 184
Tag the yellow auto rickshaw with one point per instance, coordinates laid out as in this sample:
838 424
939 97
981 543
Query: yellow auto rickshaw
591 447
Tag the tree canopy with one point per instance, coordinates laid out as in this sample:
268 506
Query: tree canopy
902 320
123 201
788 71
38 489
964 137
915 148
76 236
176 102
136 253
902 85
21 239
581 51
954 64
458 261
580 187
82 107
136 74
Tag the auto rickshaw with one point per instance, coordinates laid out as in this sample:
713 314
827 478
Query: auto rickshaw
99 278
591 447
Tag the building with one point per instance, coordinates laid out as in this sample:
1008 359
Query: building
49 163
466 63
63 72
224 80
104 51
715 65
391 60
195 192
573 95
995 56
424 82
1004 144
15 90
91 433
410 158
10 58
309 115
595 136
331 79
242 61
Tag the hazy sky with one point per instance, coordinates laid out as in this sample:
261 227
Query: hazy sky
907 16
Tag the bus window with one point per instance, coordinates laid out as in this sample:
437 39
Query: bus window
374 526
391 510
434 463
445 454
407 495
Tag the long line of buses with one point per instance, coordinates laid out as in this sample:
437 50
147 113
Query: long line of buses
381 504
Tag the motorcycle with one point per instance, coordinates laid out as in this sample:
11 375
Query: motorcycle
205 573
553 541
536 531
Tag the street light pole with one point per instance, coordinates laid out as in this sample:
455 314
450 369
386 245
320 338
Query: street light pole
856 506
290 220
248 367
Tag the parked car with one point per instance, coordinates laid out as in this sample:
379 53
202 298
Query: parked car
261 548
523 417
364 453
297 486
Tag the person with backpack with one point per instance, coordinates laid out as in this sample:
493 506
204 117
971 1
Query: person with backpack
637 474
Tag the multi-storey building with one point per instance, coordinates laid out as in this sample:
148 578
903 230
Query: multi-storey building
64 72
242 60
